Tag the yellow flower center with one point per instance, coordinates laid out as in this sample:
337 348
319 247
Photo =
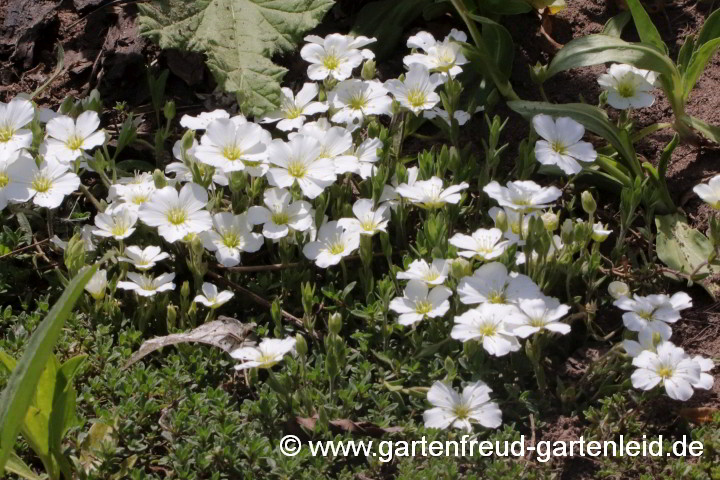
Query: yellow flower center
423 307
232 153
280 218
625 90
293 112
537 322
231 239
140 199
4 179
432 275
119 229
665 372
336 248
41 184
416 98
462 411
331 61
488 330
559 147
297 169
75 142
176 216
358 101
6 134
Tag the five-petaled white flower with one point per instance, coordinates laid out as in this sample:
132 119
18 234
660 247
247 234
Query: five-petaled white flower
187 158
669 365
50 183
211 298
628 87
335 142
706 379
335 55
487 324
367 221
417 91
353 100
562 144
278 217
143 258
266 355
134 195
434 273
536 314
177 214
117 222
68 139
709 192
14 182
451 409
430 193
600 232
361 159
97 284
332 245
299 161
653 312
647 340
417 303
295 109
523 195
445 57
231 235
492 283
485 244
204 119
15 115
147 286
231 146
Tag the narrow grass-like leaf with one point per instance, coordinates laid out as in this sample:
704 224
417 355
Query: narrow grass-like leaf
697 64
615 26
644 25
16 397
499 43
710 29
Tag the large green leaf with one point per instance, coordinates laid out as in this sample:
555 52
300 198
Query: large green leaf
711 132
498 42
698 61
18 467
238 37
645 27
598 49
615 26
710 29
592 118
15 399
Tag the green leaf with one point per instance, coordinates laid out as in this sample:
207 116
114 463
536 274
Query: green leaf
63 415
645 27
710 29
16 465
685 53
711 132
505 7
697 64
499 42
683 248
598 49
7 362
18 393
483 62
615 26
239 37
386 21
592 118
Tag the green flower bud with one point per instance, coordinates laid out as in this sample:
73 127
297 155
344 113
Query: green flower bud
159 179
171 315
169 110
501 220
551 220
301 345
538 73
187 140
197 246
588 202
368 70
618 290
460 268
335 323
185 289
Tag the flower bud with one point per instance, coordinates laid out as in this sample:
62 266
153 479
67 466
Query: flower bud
538 73
551 220
97 284
335 323
171 315
301 345
238 181
185 289
196 244
187 140
657 339
460 268
618 290
159 179
599 233
588 202
368 70
501 220
169 110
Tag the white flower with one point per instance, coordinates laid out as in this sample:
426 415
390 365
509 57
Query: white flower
487 324
332 245
266 355
335 55
15 115
628 87
460 411
177 214
118 223
460 116
86 236
360 160
600 233
417 91
50 183
517 223
536 314
647 340
279 216
295 109
14 181
618 290
204 119
445 56
183 173
485 244
97 284
231 235
523 196
669 365
143 258
299 161
434 273
492 283
653 312
706 379
353 100
147 286
367 221
430 193
417 304
69 139
709 192
211 298
231 146
335 142
562 144
134 195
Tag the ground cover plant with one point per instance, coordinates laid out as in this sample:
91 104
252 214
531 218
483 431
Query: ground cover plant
228 222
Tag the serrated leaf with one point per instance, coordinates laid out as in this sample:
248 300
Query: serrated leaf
239 37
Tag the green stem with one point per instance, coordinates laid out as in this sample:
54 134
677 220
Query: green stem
650 129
